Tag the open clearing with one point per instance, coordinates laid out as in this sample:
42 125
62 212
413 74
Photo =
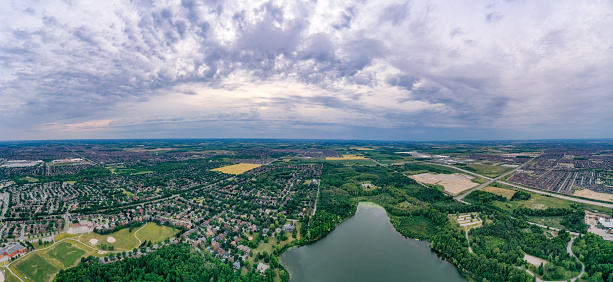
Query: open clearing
123 240
536 261
586 193
29 179
507 193
237 168
155 233
453 183
66 253
346 157
362 148
36 268
128 193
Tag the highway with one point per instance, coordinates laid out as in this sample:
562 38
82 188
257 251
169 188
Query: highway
533 190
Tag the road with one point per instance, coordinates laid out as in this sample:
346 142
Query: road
547 193
570 251
316 197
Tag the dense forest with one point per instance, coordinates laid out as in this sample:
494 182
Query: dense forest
597 255
415 211
171 263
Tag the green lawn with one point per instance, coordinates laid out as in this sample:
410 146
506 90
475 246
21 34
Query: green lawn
66 253
10 277
128 193
268 247
29 179
155 233
124 240
35 268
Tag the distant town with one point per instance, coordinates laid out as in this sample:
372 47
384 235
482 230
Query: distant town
243 203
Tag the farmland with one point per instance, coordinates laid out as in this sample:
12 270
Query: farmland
237 168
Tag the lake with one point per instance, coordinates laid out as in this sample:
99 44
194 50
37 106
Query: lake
366 247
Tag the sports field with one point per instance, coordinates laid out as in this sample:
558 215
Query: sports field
66 253
346 157
155 233
35 268
44 265
237 168
124 239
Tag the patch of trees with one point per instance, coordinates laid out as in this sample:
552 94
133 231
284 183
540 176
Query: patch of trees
573 219
597 255
507 239
521 196
483 198
170 263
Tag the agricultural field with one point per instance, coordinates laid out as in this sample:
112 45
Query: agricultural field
346 157
486 170
453 184
586 193
154 233
507 193
538 201
237 168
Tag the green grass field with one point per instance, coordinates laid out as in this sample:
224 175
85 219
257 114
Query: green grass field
538 201
66 253
10 277
488 170
124 240
268 247
155 233
128 193
35 268
29 179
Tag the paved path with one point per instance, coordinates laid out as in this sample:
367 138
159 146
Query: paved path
139 241
470 249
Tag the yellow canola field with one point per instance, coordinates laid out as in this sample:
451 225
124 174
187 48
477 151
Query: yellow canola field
237 168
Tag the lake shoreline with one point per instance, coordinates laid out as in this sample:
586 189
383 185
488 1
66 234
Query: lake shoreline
349 246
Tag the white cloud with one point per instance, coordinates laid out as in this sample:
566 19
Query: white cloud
491 65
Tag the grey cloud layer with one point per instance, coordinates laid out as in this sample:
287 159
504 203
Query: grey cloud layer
97 68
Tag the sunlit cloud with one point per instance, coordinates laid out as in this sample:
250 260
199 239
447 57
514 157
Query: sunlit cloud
287 69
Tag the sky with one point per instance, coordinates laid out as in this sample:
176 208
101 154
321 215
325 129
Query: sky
340 69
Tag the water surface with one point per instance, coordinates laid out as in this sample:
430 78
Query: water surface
366 247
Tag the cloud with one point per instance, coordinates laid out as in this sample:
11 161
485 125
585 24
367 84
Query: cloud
384 67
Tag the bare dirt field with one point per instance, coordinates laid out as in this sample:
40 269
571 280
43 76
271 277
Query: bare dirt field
453 183
110 239
534 260
585 193
93 242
